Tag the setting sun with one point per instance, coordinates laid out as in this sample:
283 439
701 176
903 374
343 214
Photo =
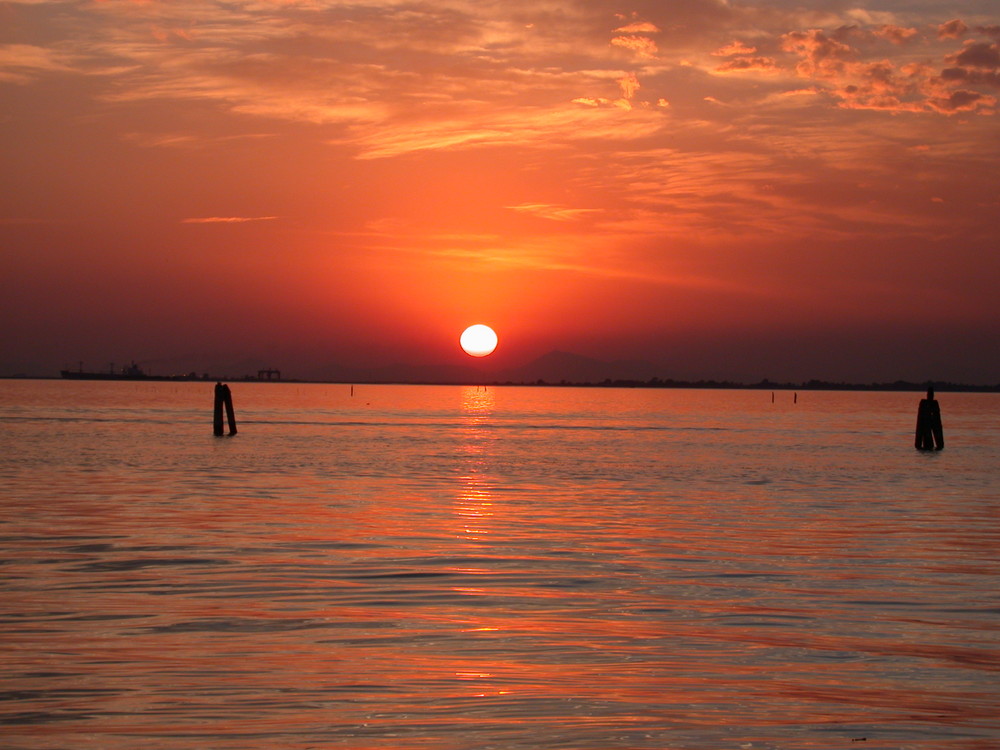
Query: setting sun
478 340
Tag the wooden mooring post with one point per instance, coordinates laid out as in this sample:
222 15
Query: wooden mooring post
224 397
930 433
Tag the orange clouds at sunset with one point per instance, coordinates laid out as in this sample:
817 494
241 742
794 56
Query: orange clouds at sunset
723 190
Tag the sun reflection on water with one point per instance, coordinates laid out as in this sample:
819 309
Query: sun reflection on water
478 403
474 500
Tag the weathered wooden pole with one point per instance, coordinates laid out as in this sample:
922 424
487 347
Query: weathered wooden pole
223 398
930 433
217 420
227 396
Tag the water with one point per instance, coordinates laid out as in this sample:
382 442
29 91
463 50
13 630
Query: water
448 568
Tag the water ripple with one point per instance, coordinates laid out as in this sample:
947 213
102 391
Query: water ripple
541 570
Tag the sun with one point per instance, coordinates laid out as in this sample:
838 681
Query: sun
478 340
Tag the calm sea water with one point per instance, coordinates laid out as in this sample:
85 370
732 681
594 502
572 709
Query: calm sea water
450 568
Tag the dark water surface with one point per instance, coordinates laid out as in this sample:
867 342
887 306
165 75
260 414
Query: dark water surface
448 568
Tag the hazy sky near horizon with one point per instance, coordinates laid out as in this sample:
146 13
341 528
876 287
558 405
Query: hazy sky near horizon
725 189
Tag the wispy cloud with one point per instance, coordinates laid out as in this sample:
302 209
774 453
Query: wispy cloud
553 212
227 219
23 63
734 48
189 140
544 128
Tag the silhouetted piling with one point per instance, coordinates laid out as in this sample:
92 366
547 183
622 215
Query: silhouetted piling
930 433
224 397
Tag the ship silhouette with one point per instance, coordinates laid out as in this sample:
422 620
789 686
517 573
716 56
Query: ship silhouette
129 372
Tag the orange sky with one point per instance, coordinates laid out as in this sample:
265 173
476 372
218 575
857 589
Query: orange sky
725 190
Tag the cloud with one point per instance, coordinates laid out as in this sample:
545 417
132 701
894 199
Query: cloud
22 63
895 34
639 27
878 86
894 84
953 29
734 48
227 219
822 56
643 46
982 55
402 76
553 212
187 140
629 84
977 64
742 64
971 77
961 101
545 128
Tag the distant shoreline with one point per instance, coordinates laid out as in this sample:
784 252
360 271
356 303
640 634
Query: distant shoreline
654 383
